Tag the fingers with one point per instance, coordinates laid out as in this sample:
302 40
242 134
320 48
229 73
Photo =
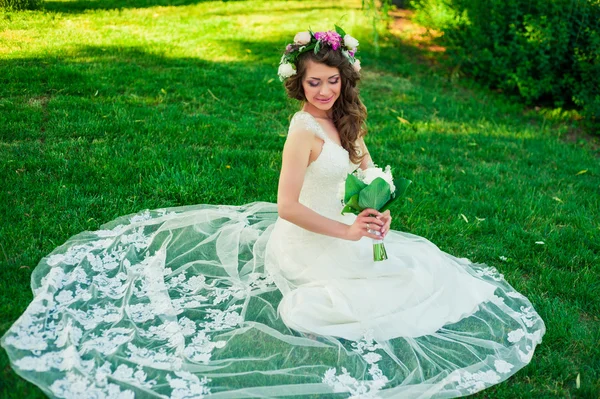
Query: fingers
380 223
385 229
369 211
370 219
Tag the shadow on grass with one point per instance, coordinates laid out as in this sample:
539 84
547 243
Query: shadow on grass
77 6
110 90
80 6
96 90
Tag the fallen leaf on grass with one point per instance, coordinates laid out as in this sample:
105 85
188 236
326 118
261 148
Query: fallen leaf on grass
539 242
464 218
480 219
581 172
578 381
213 96
403 120
558 199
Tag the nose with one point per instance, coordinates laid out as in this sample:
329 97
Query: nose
324 90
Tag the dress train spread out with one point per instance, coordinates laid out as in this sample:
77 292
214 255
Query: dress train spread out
227 301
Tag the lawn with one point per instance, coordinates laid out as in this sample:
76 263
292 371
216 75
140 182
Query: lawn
111 107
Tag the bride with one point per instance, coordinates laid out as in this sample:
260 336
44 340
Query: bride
273 300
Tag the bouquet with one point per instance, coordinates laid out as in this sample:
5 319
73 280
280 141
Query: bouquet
372 188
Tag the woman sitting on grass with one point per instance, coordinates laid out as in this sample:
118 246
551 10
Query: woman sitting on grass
273 300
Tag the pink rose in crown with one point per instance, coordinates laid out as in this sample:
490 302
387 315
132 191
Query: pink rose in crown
331 37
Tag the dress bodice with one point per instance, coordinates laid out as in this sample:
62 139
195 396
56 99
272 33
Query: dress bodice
325 175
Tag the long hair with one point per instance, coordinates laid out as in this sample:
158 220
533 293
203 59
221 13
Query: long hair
348 112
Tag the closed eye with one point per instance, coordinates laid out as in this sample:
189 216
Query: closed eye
315 84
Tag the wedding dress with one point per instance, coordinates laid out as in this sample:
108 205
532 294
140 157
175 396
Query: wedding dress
234 302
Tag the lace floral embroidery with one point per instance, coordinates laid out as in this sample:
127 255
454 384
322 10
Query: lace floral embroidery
160 359
200 349
502 366
188 386
475 382
108 342
123 373
308 121
175 319
514 294
360 389
59 360
222 320
490 272
75 386
528 316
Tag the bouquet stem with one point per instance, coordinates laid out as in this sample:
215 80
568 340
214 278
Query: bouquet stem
379 252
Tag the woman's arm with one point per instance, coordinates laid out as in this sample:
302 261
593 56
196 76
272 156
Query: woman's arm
296 152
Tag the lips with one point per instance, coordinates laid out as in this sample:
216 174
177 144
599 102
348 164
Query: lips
326 100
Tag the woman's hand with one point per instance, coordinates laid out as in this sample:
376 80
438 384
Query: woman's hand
387 219
366 225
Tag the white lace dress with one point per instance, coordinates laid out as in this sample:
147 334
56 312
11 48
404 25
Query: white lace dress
233 302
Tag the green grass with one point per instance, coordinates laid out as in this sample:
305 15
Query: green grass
111 107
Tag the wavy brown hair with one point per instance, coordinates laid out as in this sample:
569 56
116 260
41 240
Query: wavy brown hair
348 112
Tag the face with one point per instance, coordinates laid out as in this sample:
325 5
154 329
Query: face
322 84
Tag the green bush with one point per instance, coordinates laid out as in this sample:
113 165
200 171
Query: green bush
17 5
544 50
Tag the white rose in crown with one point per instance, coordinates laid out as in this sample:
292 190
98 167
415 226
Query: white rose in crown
302 38
286 70
350 42
356 65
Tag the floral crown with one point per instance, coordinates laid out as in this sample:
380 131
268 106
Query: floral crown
307 41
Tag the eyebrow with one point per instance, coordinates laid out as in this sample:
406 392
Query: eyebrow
332 76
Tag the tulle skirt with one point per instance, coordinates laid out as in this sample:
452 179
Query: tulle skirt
234 302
